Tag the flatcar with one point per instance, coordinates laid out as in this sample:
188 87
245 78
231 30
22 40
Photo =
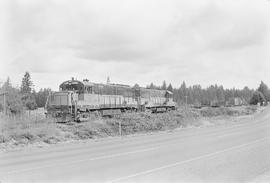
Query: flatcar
78 100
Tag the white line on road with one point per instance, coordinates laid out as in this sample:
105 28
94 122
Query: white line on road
82 160
185 161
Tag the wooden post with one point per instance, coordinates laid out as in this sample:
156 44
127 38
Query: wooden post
75 110
120 128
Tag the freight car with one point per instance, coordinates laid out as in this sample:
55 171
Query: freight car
78 100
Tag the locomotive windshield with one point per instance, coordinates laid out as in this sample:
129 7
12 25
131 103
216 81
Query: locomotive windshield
72 85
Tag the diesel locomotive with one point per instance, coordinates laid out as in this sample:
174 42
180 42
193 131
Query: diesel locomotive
78 100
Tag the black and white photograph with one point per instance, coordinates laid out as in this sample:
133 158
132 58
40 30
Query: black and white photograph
134 91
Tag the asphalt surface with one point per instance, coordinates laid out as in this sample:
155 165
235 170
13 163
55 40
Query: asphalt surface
237 152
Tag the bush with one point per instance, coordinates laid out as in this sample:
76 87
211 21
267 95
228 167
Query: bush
29 102
257 98
28 130
14 103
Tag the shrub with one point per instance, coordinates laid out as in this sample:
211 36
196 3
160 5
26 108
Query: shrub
28 130
257 98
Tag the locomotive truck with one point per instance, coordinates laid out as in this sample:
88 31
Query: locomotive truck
78 100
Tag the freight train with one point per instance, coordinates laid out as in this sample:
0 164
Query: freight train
78 100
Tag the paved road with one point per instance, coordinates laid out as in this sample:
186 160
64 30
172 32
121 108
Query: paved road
228 153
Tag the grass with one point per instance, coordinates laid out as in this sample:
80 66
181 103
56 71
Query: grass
27 130
33 128
229 111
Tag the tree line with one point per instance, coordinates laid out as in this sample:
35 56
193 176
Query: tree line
26 98
197 95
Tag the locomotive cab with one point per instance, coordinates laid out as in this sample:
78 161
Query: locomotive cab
62 105
72 85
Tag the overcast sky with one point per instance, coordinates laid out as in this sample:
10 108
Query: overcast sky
136 41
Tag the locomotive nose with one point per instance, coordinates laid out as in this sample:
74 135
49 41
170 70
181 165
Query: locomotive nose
59 105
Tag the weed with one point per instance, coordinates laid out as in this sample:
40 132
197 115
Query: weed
28 129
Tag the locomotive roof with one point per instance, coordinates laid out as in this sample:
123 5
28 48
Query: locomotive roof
87 83
70 82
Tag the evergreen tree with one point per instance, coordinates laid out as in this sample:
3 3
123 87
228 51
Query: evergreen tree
12 101
263 88
246 94
170 88
220 94
26 83
108 80
7 85
183 92
151 86
28 98
164 85
213 93
197 94
257 98
183 88
136 86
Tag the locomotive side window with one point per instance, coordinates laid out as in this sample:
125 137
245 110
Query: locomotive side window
89 89
96 89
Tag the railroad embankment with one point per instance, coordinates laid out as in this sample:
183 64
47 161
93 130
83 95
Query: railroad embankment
40 131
